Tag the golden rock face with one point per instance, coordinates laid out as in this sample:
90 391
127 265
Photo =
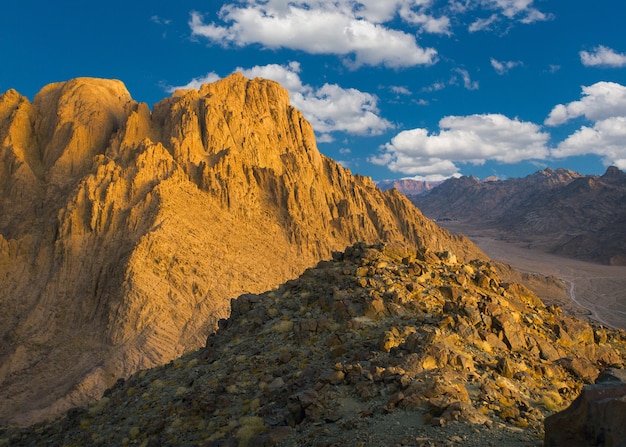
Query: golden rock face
124 232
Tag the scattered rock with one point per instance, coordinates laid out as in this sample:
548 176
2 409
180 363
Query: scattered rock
317 365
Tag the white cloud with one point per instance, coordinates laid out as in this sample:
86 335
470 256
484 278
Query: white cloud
323 27
332 108
286 75
400 90
600 101
329 108
518 8
434 87
467 81
324 138
603 103
426 22
463 139
195 83
602 56
511 10
607 139
160 21
361 32
502 67
483 24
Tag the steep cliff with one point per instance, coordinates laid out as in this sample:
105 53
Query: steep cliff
124 232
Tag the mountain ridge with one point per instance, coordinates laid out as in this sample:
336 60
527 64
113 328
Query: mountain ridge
124 232
559 210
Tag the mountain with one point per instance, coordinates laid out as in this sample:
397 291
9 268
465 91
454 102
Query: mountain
125 231
408 187
565 212
379 346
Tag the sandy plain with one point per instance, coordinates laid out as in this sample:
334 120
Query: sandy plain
596 291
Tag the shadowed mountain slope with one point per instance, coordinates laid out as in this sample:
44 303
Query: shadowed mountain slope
124 232
381 346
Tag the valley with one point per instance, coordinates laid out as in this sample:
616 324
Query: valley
599 289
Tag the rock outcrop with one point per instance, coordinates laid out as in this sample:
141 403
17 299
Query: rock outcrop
558 210
379 346
124 231
595 418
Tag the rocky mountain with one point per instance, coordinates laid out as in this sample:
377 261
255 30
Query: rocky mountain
563 211
380 346
408 187
125 231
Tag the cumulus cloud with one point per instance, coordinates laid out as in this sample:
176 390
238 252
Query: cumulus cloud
599 101
502 67
361 32
603 103
463 139
332 108
602 56
286 75
607 139
426 22
329 108
350 29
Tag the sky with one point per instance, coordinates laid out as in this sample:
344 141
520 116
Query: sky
424 89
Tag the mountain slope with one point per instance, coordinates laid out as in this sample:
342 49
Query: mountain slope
376 347
565 212
124 232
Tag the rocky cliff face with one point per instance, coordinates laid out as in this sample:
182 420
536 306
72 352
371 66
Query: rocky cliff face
563 211
124 232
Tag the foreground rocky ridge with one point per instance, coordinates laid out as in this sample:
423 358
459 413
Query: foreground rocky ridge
559 210
380 346
124 231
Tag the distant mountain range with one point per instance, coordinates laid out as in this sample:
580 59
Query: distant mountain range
582 216
408 187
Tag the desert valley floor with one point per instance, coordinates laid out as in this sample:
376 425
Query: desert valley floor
599 289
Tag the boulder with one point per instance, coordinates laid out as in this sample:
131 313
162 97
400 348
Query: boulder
595 418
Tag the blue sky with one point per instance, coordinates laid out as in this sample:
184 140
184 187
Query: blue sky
394 89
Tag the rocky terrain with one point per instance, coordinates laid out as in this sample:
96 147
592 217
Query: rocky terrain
380 346
559 211
125 231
